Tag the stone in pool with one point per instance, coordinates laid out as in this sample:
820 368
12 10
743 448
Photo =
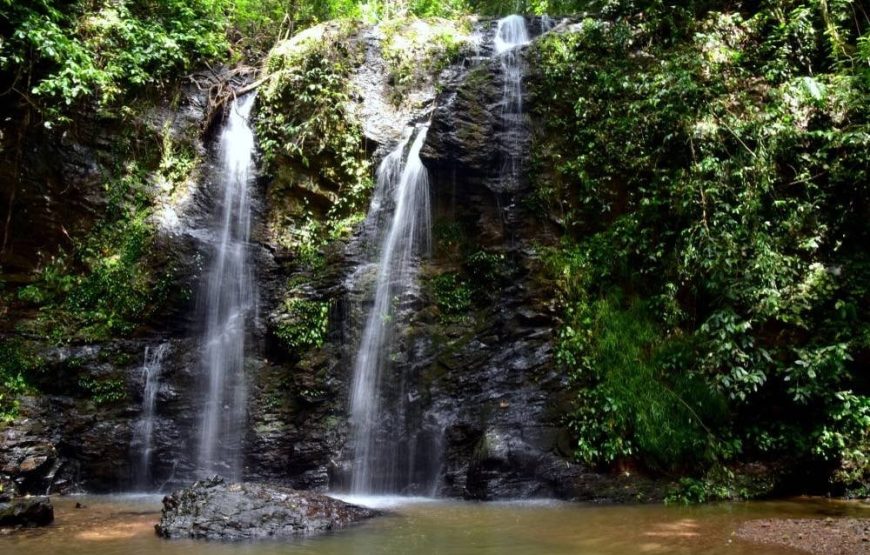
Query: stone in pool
214 510
26 511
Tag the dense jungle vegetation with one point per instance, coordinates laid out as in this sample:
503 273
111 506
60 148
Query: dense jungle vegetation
707 163
712 182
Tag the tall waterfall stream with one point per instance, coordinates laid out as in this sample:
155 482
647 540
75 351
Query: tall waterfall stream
510 35
384 459
403 178
229 301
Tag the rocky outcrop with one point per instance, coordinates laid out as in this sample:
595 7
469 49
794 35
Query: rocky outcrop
28 461
484 397
75 432
214 510
483 400
26 512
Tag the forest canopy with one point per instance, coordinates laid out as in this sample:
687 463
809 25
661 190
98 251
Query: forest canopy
53 53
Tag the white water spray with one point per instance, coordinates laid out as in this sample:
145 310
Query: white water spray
229 300
376 461
511 34
144 430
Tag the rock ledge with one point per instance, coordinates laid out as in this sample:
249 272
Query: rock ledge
214 510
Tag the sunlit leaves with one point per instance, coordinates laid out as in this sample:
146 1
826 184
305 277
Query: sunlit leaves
70 52
719 176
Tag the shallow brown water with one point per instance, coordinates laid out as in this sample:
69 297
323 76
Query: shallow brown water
110 525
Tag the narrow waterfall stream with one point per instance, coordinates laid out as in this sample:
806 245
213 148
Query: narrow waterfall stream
144 431
388 458
403 180
511 34
229 298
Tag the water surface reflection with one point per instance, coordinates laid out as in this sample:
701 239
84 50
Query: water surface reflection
116 525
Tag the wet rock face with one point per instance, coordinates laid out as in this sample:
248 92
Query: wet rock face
214 510
465 123
27 459
482 396
26 512
52 180
66 441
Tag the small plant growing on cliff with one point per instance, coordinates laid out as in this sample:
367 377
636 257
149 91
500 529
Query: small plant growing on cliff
452 295
304 325
17 364
103 391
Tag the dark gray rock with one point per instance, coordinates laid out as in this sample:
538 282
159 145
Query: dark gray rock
27 458
26 512
214 510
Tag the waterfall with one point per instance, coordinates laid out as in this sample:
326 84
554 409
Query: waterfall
547 23
228 294
377 453
144 430
510 35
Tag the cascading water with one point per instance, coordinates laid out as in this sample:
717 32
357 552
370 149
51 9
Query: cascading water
547 23
144 430
510 35
229 300
377 455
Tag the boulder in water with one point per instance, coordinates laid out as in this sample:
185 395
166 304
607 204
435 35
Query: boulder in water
214 510
26 512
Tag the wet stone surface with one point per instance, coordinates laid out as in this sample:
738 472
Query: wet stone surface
26 512
214 510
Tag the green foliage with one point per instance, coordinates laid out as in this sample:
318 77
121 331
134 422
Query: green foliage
304 324
103 391
715 177
451 294
722 484
844 440
111 278
257 24
17 364
630 401
297 110
487 268
306 130
105 284
448 235
691 491
60 52
487 273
